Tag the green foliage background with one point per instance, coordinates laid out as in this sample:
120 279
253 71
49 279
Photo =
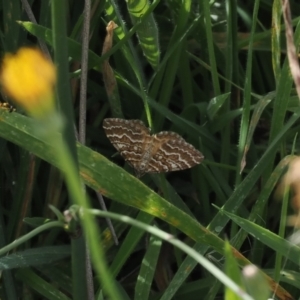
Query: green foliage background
217 74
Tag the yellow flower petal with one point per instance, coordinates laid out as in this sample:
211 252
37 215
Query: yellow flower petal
28 77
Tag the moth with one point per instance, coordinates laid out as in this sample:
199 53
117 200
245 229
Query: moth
165 151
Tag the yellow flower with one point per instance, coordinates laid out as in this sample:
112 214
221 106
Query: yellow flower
28 77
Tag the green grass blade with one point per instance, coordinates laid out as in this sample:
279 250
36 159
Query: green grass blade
205 5
258 110
38 284
232 271
11 12
215 105
282 90
272 240
64 103
34 257
162 87
147 271
247 94
132 238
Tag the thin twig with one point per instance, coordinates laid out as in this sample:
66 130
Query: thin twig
82 123
32 18
84 70
89 274
108 220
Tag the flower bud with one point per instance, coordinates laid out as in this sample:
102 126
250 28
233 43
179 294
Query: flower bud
28 77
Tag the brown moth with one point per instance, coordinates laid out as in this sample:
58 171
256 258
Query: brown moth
165 151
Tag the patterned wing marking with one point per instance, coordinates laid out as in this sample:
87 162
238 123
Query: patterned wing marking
173 153
128 137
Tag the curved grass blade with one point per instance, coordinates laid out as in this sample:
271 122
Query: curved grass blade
283 89
272 240
34 257
258 110
40 285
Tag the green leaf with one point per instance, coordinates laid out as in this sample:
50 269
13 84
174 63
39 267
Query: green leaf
147 271
40 285
34 257
265 236
36 221
232 271
132 238
215 104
